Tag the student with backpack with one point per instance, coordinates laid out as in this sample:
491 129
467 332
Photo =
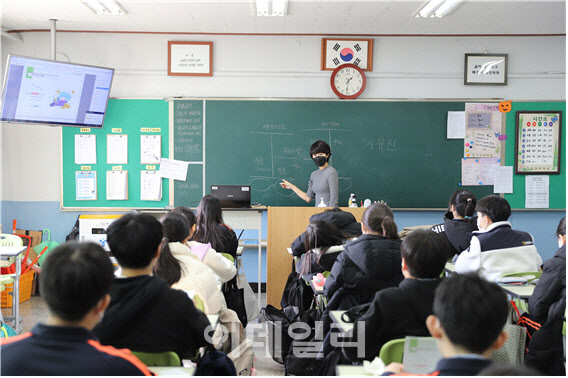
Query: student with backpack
401 311
368 264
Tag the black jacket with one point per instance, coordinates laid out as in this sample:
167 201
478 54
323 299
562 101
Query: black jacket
367 265
457 231
395 312
548 300
343 220
146 315
57 351
547 306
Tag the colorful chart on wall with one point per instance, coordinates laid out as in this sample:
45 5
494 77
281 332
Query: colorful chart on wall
537 142
483 130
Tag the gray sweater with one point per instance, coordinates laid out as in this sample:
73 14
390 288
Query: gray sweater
324 184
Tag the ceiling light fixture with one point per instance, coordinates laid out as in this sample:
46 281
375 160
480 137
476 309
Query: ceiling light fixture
437 8
271 7
104 7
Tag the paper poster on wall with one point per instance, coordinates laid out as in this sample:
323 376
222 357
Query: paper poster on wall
537 192
538 138
456 125
173 169
85 185
150 186
117 185
150 149
117 149
85 149
479 171
483 128
503 182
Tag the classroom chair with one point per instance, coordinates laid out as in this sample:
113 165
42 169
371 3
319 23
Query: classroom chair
392 351
158 359
198 303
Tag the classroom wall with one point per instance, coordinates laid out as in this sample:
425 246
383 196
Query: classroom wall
266 66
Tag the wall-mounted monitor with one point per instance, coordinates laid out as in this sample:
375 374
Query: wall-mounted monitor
55 93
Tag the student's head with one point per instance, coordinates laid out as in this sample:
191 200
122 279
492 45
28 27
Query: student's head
469 314
561 232
320 148
424 254
209 211
462 203
378 219
176 229
492 209
175 226
75 279
189 214
134 239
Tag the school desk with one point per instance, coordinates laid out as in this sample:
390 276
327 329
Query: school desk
519 291
12 254
344 327
172 370
350 370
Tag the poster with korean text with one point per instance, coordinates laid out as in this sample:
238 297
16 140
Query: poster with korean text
483 130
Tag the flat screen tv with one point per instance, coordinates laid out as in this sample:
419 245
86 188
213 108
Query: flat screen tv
55 93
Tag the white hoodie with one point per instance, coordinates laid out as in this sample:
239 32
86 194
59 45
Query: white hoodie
222 267
199 277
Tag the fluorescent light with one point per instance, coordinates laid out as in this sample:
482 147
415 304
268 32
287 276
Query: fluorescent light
95 6
446 8
437 8
104 7
113 7
271 7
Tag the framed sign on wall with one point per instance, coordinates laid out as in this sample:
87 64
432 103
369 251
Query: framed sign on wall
335 52
537 142
190 58
485 69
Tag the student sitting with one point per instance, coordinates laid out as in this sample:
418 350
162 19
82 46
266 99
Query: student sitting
368 264
459 222
75 283
496 249
145 314
401 311
342 220
222 267
182 270
324 242
468 320
547 306
211 229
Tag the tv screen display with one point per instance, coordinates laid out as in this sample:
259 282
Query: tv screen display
55 93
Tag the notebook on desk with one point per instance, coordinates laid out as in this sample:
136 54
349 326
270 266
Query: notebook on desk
232 196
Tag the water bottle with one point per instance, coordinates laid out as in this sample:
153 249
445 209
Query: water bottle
352 200
322 204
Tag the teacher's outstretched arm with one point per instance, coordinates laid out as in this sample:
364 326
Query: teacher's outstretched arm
288 185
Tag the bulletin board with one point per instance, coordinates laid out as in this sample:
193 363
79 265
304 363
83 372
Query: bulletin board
131 117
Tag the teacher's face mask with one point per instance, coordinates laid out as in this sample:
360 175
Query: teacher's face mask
320 160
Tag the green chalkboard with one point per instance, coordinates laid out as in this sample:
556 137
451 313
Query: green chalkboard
130 116
395 151
557 182
188 146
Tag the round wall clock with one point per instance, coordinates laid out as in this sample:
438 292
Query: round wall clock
348 81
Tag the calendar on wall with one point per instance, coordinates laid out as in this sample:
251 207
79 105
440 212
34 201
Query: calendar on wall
537 145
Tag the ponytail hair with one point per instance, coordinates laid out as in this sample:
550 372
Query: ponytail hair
379 218
167 267
176 226
464 203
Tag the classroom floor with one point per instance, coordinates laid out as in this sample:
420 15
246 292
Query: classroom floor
35 310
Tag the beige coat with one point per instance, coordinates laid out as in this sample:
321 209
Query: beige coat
222 267
198 277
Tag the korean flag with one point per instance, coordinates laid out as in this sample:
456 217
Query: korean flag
340 52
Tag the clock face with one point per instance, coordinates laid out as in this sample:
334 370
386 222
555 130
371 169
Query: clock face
348 81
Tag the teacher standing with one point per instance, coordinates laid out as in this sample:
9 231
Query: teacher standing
323 182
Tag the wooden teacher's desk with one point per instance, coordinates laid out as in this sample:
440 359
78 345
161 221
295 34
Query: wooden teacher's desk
284 225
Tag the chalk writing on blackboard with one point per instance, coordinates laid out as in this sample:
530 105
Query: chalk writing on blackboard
381 144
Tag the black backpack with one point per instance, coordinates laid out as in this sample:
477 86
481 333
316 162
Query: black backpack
215 362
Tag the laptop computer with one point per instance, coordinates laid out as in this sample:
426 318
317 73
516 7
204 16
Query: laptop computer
232 196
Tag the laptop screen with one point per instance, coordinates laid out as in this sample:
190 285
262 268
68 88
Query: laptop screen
232 196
